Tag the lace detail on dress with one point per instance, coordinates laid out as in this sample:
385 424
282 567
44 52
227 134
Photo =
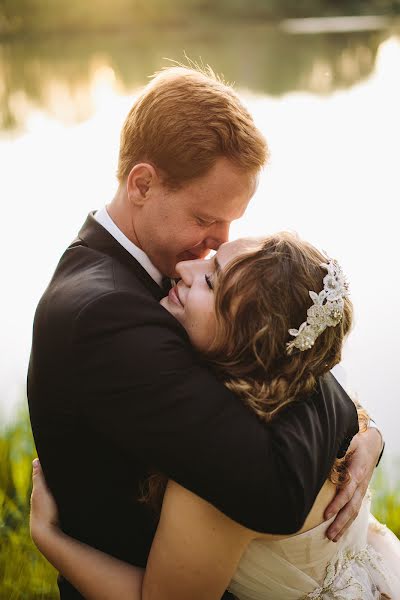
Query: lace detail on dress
377 527
340 581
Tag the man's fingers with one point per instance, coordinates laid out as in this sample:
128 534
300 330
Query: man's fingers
347 501
339 526
341 499
345 517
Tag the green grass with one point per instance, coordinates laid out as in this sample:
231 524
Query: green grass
26 575
386 497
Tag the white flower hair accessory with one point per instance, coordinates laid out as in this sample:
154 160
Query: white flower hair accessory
326 311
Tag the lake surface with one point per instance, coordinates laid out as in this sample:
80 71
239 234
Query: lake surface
328 104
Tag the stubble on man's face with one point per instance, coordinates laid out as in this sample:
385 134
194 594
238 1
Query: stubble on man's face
187 223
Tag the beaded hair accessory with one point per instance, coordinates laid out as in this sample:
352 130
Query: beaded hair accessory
326 311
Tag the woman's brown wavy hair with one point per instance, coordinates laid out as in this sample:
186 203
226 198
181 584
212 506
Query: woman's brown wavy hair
259 296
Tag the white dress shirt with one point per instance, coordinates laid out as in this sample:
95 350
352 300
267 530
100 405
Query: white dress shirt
106 221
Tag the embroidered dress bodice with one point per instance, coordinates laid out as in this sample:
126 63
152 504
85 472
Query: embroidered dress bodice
309 566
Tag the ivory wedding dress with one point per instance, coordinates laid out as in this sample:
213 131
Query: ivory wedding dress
363 565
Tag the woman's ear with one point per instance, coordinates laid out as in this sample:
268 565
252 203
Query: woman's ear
140 180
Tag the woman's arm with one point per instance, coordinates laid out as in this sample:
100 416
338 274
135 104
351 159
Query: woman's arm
196 549
194 554
96 575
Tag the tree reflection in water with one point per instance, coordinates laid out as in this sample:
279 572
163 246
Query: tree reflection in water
56 74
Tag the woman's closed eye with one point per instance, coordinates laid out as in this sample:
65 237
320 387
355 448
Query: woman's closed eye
209 282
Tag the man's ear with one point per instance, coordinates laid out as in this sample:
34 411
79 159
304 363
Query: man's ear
141 180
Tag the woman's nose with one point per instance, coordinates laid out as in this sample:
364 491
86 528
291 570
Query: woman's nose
184 271
188 270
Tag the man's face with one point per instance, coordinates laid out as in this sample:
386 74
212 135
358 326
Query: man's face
185 224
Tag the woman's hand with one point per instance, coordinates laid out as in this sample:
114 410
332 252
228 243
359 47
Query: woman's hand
97 576
44 512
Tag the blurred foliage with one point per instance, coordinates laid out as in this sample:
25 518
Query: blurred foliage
26 575
386 496
21 16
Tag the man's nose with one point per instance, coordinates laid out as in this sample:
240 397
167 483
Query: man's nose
219 235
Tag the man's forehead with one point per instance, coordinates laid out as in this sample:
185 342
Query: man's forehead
223 202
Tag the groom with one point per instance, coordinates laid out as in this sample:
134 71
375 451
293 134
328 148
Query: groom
115 390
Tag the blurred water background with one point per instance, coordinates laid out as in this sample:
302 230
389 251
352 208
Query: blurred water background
322 78
325 91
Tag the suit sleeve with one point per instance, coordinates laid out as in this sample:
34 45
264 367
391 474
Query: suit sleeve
148 392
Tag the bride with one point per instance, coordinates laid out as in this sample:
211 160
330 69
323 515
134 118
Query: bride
271 317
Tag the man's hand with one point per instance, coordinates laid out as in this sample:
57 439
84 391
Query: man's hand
366 447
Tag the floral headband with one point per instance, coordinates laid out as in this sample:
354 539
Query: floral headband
326 311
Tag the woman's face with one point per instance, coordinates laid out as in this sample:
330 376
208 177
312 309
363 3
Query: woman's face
191 301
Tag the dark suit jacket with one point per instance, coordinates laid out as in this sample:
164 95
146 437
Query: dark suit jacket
115 389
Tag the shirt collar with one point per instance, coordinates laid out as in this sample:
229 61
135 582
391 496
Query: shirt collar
106 221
